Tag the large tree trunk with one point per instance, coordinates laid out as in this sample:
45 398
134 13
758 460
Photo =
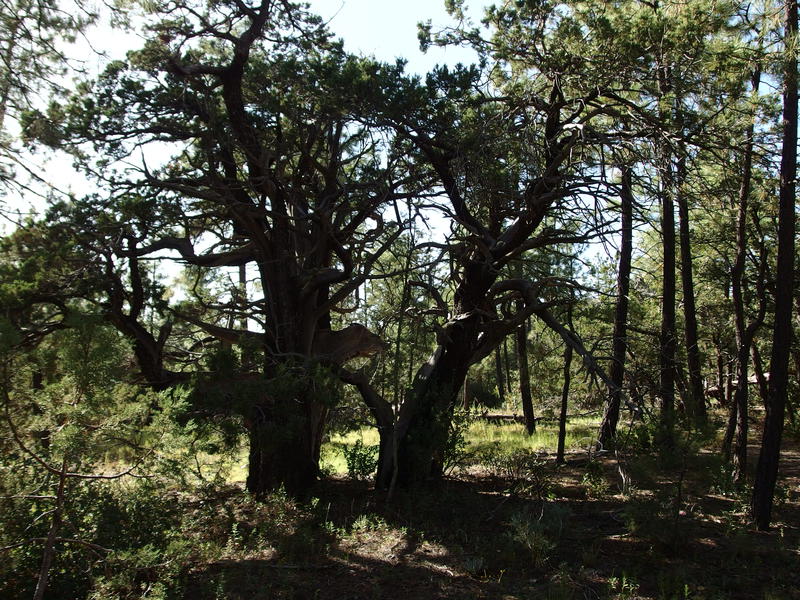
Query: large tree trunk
284 446
286 424
423 424
697 402
608 428
767 470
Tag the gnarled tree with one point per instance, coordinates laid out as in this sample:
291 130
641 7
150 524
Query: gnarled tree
254 149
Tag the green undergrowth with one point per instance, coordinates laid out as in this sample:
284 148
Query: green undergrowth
512 436
519 529
334 453
480 436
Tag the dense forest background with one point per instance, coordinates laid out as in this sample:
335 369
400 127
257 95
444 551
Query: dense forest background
305 314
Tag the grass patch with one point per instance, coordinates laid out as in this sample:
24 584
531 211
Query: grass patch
512 436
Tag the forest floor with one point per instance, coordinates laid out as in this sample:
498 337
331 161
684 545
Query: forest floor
516 528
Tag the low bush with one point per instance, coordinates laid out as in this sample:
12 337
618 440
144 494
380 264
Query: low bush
525 470
538 534
362 460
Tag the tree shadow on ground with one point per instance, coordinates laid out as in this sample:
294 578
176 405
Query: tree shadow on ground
467 538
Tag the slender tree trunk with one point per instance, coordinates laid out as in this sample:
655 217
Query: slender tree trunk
668 339
668 334
767 470
507 362
562 417
384 416
791 409
525 378
697 402
56 521
730 430
728 383
500 378
398 357
720 371
608 428
758 367
744 332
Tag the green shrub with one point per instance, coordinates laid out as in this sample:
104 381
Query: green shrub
362 461
594 479
138 522
145 572
525 470
623 587
455 450
538 534
659 521
722 482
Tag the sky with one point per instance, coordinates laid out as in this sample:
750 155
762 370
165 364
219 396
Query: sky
385 29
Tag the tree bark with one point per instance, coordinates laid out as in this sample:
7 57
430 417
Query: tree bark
500 378
668 338
744 332
56 521
767 469
284 447
758 367
423 421
720 370
730 430
608 427
668 333
383 414
525 378
697 401
509 385
423 424
562 417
